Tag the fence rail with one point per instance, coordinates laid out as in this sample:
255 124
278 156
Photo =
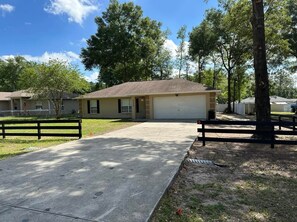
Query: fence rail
271 133
286 118
16 125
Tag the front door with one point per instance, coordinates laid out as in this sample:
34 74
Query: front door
140 107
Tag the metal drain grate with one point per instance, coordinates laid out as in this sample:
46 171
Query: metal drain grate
206 162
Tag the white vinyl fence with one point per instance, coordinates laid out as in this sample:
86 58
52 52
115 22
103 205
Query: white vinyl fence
221 107
239 108
35 112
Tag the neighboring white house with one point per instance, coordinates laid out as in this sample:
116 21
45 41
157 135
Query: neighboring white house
247 106
277 104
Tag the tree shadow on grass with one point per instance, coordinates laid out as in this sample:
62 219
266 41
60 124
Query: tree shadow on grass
258 185
30 141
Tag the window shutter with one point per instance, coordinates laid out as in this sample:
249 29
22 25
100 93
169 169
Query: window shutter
119 106
98 106
89 107
137 105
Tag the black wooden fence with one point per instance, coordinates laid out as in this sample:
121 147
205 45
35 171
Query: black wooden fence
220 128
285 118
39 125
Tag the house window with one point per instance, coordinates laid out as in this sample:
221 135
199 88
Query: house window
93 106
38 105
126 106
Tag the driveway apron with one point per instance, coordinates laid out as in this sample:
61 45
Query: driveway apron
118 176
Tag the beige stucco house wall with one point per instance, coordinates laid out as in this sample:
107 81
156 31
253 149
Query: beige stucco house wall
108 109
109 106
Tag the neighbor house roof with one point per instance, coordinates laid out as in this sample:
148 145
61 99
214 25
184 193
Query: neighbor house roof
21 94
5 96
27 94
155 87
273 99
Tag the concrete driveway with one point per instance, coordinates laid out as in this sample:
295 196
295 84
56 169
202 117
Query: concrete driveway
118 176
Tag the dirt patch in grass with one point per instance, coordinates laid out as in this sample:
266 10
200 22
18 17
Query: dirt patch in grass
258 184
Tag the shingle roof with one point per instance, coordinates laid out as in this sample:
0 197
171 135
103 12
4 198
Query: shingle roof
27 94
150 88
5 96
21 93
273 99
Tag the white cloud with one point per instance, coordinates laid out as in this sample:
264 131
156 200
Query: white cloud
92 78
45 57
77 10
171 47
6 8
83 40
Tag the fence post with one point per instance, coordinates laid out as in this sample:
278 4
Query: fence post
79 129
203 134
272 137
279 121
3 131
38 130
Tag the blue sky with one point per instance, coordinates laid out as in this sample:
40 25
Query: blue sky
43 29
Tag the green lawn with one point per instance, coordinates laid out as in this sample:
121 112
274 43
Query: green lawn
90 127
282 113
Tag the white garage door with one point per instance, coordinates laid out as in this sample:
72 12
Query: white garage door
180 107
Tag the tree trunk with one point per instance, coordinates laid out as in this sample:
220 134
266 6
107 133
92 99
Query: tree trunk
229 92
239 88
199 70
234 94
214 80
262 102
57 108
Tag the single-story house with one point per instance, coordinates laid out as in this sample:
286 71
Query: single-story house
23 102
158 99
4 101
277 104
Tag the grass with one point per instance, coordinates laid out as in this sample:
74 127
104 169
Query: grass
282 113
259 184
12 146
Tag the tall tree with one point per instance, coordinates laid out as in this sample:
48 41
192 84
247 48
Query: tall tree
282 83
52 81
262 101
231 42
291 34
10 70
203 41
125 46
181 50
163 65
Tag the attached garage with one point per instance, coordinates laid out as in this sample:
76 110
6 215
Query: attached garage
179 107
